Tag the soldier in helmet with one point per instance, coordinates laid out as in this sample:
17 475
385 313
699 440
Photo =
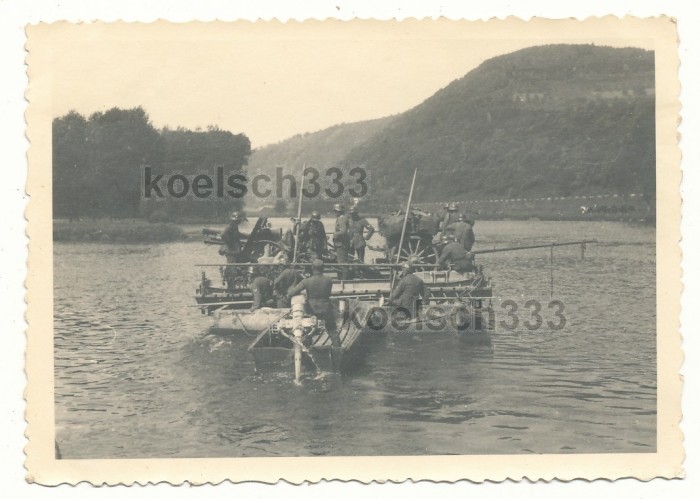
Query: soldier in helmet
341 239
231 237
315 235
358 239
449 217
455 255
409 291
462 231
261 288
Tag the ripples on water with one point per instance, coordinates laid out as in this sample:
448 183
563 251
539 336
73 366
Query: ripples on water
138 375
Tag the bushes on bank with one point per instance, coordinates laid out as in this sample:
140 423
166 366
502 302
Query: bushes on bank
117 232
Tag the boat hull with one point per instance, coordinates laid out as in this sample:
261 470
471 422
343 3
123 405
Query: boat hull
471 319
441 287
249 322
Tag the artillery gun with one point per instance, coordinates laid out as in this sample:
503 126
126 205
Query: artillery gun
418 244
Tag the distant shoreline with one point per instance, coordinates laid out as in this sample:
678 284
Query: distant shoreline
136 231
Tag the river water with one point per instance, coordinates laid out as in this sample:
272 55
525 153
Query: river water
137 374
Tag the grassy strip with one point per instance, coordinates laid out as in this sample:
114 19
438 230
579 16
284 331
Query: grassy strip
116 231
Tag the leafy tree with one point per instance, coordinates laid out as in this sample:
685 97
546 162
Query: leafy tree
98 165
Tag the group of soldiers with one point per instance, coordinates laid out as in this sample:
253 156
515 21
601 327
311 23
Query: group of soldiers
349 240
290 283
349 236
457 234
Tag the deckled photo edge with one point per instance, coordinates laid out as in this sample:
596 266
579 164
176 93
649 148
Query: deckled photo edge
44 468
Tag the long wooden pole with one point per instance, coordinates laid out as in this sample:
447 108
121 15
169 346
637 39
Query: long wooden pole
405 218
518 248
301 197
392 265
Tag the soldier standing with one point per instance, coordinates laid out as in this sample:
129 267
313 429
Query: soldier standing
408 292
316 236
341 239
318 295
233 245
358 240
231 237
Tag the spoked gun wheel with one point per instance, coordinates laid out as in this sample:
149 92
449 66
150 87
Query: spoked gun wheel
418 250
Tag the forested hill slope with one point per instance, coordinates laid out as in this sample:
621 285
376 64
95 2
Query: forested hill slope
322 149
551 120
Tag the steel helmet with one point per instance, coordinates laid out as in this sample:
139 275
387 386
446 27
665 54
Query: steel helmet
317 264
338 207
315 215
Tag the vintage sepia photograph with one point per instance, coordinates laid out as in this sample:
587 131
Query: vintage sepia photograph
354 239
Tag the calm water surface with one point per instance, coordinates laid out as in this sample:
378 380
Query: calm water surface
137 375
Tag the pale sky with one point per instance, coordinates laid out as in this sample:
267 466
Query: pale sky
273 81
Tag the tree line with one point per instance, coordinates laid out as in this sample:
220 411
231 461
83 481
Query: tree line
99 161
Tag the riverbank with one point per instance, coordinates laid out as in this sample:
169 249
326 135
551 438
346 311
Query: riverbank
116 231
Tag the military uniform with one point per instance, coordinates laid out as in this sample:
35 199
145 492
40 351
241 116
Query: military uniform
461 230
448 219
341 241
262 292
316 236
231 237
407 293
469 237
318 293
288 240
461 259
358 242
284 281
